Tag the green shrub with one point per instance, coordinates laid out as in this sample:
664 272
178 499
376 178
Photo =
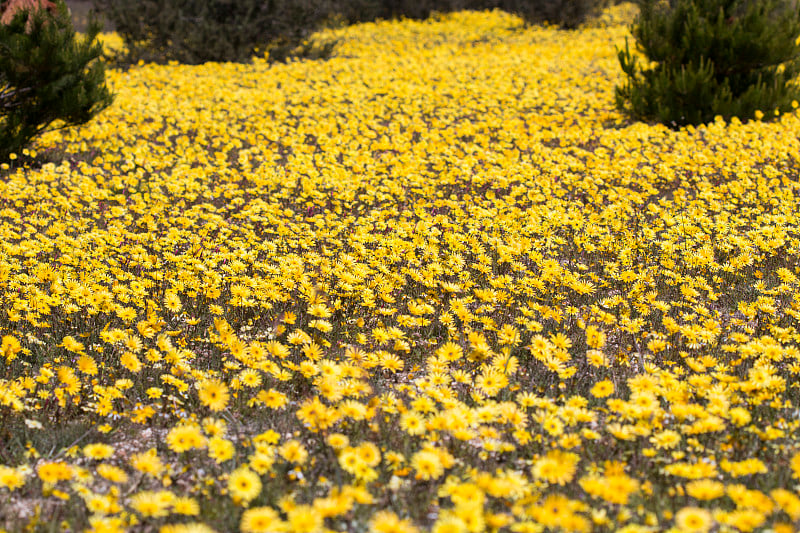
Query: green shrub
197 31
370 10
47 76
564 13
567 14
709 58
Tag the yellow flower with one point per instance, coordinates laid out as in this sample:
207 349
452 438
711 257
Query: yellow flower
595 338
172 302
337 441
185 506
667 439
319 311
350 461
742 519
360 268
615 488
795 465
152 504
705 489
743 468
450 351
369 453
262 462
101 524
427 464
250 378
147 462
508 335
98 451
54 471
131 362
11 478
112 473
185 437
392 362
71 344
788 502
697 470
552 510
412 423
87 365
449 523
304 519
244 484
693 520
316 415
294 452
602 389
388 522
154 392
491 382
261 520
552 425
9 348
220 449
214 394
557 467
273 399
71 382
596 358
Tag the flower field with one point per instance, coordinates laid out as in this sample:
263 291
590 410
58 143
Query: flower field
435 283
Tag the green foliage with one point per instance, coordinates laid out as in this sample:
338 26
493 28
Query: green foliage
369 10
47 76
564 13
706 58
567 14
197 31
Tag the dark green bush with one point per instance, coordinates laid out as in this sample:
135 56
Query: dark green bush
564 13
369 10
47 76
709 58
197 31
